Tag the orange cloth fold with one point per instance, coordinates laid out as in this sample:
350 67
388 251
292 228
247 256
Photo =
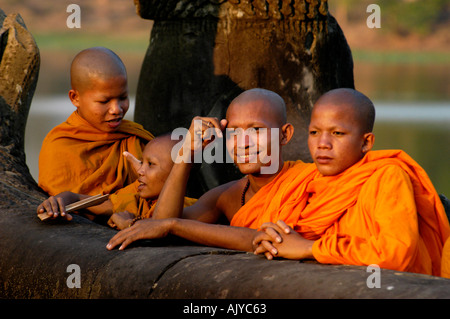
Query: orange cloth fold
383 210
77 157
445 266
128 199
265 205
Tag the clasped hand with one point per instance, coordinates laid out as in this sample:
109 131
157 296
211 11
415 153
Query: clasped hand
280 240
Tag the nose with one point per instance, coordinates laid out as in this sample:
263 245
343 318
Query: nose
246 139
116 107
324 141
140 171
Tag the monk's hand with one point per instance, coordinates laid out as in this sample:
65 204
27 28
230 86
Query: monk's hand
280 240
135 163
143 229
55 207
121 220
263 241
202 132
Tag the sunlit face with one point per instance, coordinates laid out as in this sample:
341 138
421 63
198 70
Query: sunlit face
335 140
154 170
250 135
104 103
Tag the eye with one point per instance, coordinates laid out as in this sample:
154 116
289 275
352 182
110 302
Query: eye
103 101
338 133
312 132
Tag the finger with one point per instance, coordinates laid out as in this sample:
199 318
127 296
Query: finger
267 225
208 125
40 209
269 247
268 255
54 206
284 227
223 124
118 238
273 234
135 163
260 250
47 207
61 206
259 237
215 123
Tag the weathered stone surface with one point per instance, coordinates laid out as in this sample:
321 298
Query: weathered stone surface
34 257
19 69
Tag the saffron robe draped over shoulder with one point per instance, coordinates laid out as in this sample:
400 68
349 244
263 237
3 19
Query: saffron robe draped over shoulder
383 210
77 157
265 205
128 199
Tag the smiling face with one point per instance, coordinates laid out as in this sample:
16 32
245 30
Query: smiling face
253 118
155 167
337 139
104 103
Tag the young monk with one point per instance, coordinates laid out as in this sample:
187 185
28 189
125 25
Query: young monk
83 154
134 202
260 112
362 207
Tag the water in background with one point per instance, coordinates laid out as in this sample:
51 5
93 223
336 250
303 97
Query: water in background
421 129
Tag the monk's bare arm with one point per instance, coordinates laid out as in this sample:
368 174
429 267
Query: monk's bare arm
237 238
171 199
213 204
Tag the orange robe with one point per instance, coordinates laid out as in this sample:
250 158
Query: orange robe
383 210
77 157
265 205
128 199
445 266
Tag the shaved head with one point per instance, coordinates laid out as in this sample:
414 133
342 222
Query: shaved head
162 146
361 105
270 98
93 64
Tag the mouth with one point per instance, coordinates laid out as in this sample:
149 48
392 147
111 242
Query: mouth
247 158
141 185
114 123
323 160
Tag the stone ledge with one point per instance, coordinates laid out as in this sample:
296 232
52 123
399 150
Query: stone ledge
34 256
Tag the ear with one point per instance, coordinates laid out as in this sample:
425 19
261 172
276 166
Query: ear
74 97
368 141
287 131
